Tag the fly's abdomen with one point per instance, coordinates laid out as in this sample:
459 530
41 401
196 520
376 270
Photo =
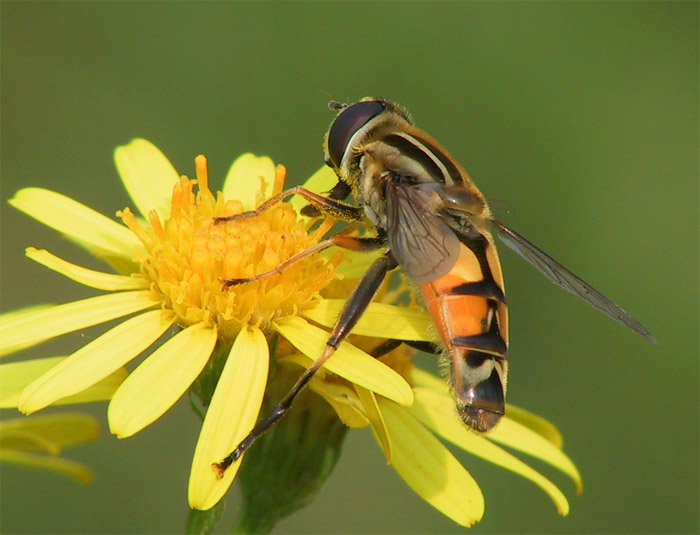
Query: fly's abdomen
468 307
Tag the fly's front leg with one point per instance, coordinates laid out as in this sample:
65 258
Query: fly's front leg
351 243
326 206
354 307
323 205
337 193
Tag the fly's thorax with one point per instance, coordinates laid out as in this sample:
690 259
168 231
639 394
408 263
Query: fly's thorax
367 176
377 162
402 159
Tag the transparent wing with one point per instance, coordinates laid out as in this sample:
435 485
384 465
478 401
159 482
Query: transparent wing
420 242
562 277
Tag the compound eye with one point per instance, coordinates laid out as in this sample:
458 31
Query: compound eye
350 120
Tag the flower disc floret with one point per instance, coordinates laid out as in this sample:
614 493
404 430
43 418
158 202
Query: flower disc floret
187 257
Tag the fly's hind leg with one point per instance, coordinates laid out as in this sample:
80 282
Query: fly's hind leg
354 307
389 345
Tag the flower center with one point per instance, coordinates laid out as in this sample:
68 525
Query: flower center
189 255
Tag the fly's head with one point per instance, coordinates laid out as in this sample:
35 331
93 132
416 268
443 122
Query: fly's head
349 144
357 125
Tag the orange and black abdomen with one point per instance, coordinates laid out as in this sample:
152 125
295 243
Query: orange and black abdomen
469 310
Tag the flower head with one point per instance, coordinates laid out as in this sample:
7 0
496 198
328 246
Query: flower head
199 335
171 266
186 257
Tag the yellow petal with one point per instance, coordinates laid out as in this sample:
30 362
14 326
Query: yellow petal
61 430
535 423
17 315
520 438
147 175
320 182
18 331
243 181
379 320
58 465
19 312
428 380
96 360
342 397
16 376
437 412
539 442
348 361
27 442
344 402
87 277
355 263
160 380
81 224
430 469
374 415
231 415
100 391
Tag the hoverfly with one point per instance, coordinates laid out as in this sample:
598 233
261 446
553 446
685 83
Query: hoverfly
433 222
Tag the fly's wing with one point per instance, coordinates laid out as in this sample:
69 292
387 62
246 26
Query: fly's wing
562 277
419 240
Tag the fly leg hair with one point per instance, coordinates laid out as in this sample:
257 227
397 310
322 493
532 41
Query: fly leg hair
389 345
354 307
328 206
351 243
325 205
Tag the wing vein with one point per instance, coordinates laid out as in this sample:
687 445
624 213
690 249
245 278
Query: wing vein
565 279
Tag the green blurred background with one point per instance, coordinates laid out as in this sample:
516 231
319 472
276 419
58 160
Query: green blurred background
579 121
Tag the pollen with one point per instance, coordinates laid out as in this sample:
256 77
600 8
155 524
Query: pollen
188 256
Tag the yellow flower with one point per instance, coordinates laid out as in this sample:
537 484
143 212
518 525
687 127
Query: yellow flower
37 441
171 269
170 263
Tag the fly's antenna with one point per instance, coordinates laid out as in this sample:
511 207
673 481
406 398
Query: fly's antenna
337 106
